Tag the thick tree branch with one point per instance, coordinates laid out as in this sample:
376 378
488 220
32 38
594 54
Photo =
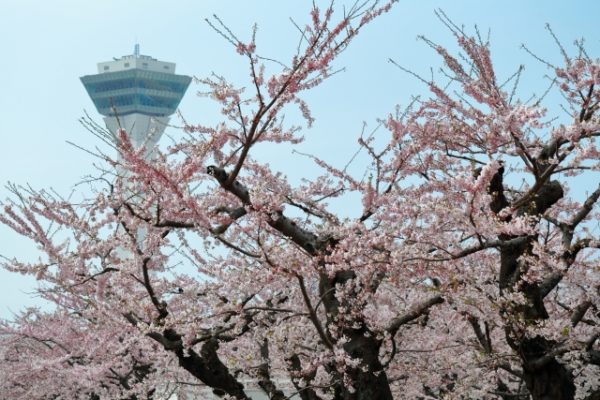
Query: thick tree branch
295 368
579 312
286 226
264 375
413 314
550 356
206 365
587 207
482 337
313 314
161 307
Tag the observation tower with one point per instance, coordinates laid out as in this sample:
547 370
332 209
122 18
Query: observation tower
137 93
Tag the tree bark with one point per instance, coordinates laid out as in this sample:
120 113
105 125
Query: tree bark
369 383
551 381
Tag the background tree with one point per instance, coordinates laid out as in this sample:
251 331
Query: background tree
62 355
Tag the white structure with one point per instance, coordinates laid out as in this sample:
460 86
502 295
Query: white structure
134 61
137 93
252 390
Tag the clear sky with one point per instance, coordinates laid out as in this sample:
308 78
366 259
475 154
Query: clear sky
46 45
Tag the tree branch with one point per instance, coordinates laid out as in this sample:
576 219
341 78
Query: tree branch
286 226
313 315
415 313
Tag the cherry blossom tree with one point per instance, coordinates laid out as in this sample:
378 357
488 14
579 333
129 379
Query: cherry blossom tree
63 355
471 272
515 242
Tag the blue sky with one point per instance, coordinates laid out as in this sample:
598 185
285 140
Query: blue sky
47 45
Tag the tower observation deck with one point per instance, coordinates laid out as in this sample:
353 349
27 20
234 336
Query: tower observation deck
137 93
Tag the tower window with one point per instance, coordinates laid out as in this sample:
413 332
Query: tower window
126 65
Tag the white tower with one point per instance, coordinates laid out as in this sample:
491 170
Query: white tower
137 93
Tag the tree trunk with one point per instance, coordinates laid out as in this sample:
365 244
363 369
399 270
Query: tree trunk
551 381
369 379
207 367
